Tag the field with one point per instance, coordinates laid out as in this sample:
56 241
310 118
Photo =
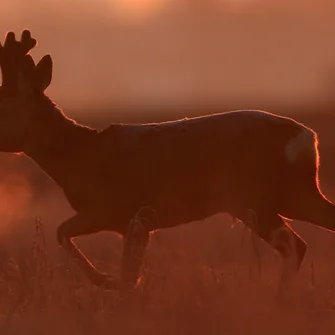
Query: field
209 277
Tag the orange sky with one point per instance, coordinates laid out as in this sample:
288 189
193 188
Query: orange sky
136 10
168 50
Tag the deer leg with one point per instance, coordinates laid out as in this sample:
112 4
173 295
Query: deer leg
312 206
292 248
83 225
134 249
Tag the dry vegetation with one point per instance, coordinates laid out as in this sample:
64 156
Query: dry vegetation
199 278
210 277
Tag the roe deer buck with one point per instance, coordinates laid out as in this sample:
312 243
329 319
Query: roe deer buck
186 170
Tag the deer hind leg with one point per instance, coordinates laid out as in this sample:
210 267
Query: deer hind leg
305 201
313 207
76 226
291 247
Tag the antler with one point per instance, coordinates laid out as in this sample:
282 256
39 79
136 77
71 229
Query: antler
11 54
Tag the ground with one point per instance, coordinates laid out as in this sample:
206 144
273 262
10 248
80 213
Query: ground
208 277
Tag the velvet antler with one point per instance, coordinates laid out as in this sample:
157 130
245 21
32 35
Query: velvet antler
11 54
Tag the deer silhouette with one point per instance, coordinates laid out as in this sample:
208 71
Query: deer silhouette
186 170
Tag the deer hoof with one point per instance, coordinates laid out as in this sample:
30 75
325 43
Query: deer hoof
105 281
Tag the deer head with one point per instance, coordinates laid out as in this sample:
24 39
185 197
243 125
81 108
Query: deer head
23 86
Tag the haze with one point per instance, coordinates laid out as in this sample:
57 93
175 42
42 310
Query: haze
208 277
149 51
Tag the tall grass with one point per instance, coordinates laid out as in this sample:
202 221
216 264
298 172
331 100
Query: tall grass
186 289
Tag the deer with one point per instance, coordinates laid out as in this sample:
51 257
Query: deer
187 170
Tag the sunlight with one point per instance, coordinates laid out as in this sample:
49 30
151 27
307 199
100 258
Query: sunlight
136 10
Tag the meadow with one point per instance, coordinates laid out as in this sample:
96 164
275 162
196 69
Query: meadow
211 277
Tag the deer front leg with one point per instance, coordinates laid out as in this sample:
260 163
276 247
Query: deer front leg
79 225
135 244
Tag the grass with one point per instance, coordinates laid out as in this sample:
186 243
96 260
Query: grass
196 281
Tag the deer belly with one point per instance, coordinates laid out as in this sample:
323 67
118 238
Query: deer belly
191 200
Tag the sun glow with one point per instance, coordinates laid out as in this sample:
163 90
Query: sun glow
136 10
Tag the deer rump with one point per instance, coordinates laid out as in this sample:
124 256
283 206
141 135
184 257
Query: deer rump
193 168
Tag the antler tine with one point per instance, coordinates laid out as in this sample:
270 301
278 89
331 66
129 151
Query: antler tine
27 41
14 48
12 53
9 40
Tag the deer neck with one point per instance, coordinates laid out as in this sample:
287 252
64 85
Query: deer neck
54 141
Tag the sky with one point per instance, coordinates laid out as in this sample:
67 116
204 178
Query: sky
154 51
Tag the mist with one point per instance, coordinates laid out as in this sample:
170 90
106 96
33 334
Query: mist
119 52
113 61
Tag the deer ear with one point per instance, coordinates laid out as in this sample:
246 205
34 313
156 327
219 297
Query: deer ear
43 73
